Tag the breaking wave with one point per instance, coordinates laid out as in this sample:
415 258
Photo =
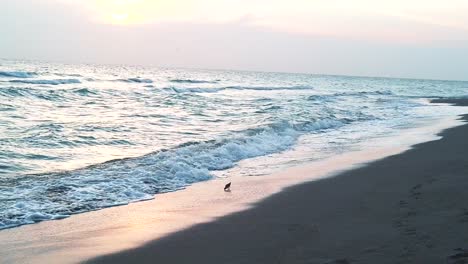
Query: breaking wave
59 195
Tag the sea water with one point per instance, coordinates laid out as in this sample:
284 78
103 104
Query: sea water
77 138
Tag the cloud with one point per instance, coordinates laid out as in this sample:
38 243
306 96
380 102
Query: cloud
397 20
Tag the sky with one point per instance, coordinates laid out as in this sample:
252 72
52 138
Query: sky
398 38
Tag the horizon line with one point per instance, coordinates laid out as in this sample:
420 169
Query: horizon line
227 69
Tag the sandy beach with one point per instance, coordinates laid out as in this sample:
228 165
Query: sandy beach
407 208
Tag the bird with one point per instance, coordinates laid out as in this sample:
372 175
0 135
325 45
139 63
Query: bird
227 188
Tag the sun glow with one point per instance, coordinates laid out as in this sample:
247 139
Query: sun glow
120 12
393 20
120 18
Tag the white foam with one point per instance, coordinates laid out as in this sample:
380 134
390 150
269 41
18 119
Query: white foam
54 196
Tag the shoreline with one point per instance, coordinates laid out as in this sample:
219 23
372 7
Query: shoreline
131 226
406 208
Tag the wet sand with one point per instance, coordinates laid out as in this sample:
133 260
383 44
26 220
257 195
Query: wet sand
407 208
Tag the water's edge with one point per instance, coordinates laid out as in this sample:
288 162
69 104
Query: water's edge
140 222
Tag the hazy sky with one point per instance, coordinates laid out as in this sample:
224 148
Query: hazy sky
405 38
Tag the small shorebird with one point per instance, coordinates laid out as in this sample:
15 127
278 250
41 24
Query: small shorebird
227 188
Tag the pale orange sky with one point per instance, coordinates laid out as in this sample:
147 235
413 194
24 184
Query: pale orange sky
324 17
407 38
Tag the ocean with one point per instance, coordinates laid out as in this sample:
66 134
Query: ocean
80 137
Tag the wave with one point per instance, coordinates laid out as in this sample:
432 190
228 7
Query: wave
335 96
270 88
17 74
48 82
68 74
136 80
84 91
12 91
35 198
46 94
192 90
322 98
191 81
239 88
49 95
364 93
